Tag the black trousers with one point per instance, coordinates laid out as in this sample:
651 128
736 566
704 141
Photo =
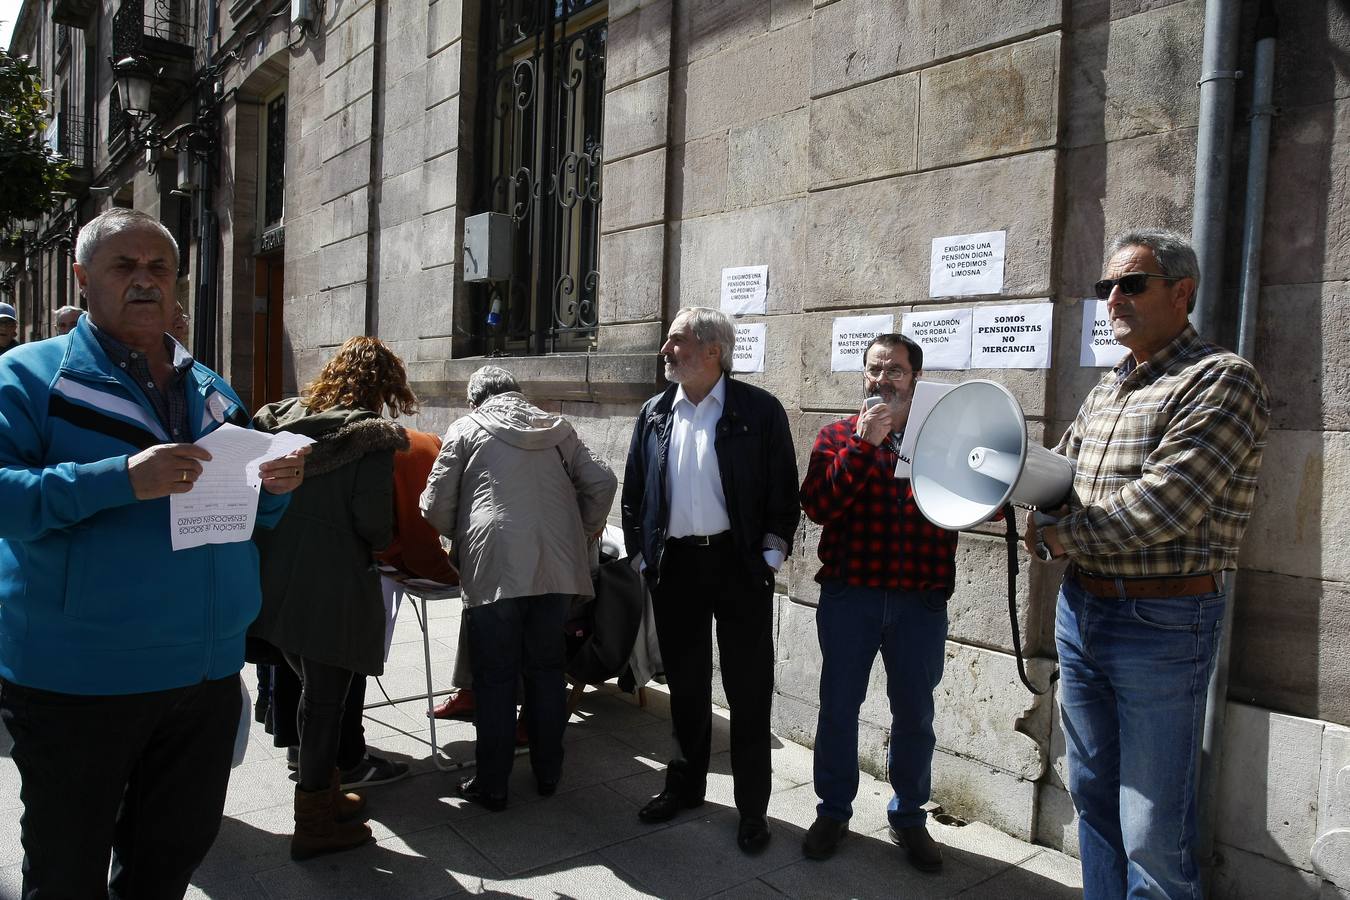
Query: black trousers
283 717
150 791
700 585
323 699
512 637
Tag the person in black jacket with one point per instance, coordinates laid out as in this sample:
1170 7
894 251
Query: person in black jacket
709 512
322 605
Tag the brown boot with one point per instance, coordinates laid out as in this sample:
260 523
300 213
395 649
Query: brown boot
346 805
317 831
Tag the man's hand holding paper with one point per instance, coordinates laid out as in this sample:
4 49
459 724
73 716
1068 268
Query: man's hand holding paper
222 504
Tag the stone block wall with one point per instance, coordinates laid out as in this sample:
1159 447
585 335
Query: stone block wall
832 141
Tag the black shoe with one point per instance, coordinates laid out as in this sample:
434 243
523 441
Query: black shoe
823 837
666 805
468 789
753 835
373 770
547 788
922 851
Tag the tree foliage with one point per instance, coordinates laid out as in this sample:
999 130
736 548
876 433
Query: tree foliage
33 172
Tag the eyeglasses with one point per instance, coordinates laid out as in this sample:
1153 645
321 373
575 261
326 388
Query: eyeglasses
1131 284
893 373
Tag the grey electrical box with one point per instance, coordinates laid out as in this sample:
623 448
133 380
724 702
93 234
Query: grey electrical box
487 247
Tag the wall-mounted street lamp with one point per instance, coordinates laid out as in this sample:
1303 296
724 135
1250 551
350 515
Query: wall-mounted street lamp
135 78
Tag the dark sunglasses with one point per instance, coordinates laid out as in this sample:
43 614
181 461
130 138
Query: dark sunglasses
1134 283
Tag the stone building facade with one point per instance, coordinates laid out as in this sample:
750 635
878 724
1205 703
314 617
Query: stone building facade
831 140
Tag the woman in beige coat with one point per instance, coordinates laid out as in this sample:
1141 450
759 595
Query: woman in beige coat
519 494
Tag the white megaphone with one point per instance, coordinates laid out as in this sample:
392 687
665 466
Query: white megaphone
971 456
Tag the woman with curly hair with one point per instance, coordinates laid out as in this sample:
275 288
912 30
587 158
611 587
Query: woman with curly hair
322 605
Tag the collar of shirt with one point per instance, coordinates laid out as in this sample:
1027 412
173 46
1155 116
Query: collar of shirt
718 393
123 356
1179 347
170 405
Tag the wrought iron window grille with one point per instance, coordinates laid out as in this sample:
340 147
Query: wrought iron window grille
72 138
274 188
543 72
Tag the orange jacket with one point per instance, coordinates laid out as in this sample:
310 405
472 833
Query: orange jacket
416 549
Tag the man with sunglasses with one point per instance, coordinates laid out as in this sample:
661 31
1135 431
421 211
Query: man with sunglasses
885 577
1167 448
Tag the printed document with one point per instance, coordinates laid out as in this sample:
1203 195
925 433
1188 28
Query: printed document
222 506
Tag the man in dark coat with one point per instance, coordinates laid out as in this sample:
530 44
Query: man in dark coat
709 510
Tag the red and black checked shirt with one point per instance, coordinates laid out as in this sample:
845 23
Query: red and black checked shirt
874 535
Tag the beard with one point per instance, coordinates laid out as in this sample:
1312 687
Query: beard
675 373
893 398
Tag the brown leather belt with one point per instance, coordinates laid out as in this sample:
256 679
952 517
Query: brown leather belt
1163 586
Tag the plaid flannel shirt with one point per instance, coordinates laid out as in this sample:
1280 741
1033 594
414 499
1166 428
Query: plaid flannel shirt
874 535
1167 455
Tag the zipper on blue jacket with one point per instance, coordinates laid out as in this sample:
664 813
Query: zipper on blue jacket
210 608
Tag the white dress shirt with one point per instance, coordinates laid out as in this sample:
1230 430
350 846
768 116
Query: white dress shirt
693 480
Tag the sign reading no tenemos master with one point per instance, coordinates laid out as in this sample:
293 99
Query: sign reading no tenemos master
965 265
944 336
851 336
1100 350
745 290
1012 337
748 355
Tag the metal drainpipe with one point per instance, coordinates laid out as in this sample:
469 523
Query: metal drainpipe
206 311
375 191
1253 227
1212 152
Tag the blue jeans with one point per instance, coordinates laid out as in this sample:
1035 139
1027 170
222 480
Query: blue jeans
512 637
1133 676
910 630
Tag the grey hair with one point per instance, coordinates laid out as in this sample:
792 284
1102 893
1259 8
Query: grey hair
711 326
66 309
1173 252
114 221
488 382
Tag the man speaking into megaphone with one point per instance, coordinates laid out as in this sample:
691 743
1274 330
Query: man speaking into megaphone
885 577
1167 448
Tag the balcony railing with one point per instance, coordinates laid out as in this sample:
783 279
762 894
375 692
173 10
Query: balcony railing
158 29
72 139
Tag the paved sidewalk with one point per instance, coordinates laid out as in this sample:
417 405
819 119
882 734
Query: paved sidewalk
586 841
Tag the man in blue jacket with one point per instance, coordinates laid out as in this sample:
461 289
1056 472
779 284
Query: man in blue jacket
710 509
103 627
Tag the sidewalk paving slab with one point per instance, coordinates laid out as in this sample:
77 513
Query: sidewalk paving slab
584 842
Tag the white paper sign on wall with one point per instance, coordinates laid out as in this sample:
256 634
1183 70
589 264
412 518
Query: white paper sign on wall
748 355
965 265
1012 337
745 290
944 336
1100 349
851 336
